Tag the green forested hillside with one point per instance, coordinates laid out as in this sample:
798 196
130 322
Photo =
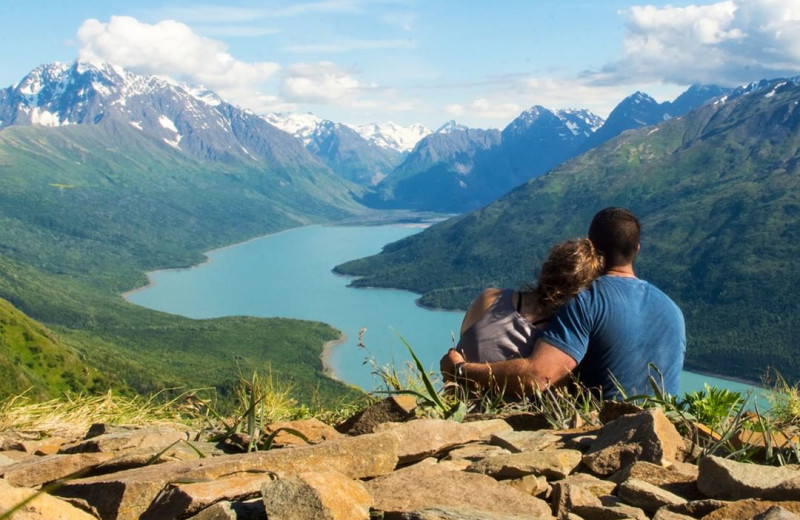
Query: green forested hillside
85 210
34 360
105 203
718 193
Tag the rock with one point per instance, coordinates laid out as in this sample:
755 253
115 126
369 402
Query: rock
476 451
553 464
613 507
613 410
568 498
516 442
776 513
36 471
395 408
581 443
314 430
320 495
459 513
43 507
158 454
412 490
97 429
731 480
179 500
246 510
127 494
597 487
697 508
530 485
666 514
156 437
679 478
519 421
646 496
747 509
8 458
46 446
646 436
425 437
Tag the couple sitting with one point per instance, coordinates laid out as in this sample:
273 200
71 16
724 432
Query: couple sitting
588 316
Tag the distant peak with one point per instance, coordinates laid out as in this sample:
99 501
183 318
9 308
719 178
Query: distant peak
450 126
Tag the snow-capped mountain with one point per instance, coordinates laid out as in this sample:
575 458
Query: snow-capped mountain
190 119
301 126
450 126
392 136
386 135
340 146
640 109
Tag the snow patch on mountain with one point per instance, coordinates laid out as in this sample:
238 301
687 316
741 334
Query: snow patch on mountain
301 126
386 135
392 136
450 126
167 123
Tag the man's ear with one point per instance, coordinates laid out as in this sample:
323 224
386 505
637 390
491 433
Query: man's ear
638 247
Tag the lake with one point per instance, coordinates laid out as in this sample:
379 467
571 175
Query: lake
289 274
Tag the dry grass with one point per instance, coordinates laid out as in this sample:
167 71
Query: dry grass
72 415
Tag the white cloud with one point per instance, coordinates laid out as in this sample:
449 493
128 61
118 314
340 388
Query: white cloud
323 83
486 110
729 42
170 48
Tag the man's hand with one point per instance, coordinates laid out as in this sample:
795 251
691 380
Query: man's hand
447 365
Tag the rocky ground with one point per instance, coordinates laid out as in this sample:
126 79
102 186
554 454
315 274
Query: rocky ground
385 463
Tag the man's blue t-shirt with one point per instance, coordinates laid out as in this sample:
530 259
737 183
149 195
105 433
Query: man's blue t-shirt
618 326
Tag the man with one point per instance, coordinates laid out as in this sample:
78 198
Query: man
612 332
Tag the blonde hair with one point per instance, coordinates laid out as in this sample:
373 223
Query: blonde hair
570 267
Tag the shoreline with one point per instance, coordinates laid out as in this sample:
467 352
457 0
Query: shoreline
327 352
207 254
733 379
207 260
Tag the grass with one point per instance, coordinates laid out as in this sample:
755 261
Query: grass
71 415
719 421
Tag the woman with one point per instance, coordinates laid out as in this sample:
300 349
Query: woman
504 323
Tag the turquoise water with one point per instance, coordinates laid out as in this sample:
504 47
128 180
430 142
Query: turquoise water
289 275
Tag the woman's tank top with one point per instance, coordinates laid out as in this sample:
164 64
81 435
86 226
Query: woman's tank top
501 333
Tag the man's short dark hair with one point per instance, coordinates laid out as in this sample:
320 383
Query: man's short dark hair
615 234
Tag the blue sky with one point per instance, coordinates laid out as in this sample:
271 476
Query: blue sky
406 61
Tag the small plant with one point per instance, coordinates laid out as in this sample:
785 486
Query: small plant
419 383
784 401
567 406
714 407
260 401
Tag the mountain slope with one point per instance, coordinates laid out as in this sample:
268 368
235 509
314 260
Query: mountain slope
456 170
105 175
35 360
436 172
364 160
718 193
350 155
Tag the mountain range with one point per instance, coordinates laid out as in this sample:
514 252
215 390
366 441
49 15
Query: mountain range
105 175
464 170
718 195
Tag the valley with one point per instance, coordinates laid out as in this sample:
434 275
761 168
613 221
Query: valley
105 175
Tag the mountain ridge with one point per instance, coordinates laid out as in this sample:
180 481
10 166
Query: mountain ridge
716 190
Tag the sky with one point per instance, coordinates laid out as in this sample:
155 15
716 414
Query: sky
414 61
